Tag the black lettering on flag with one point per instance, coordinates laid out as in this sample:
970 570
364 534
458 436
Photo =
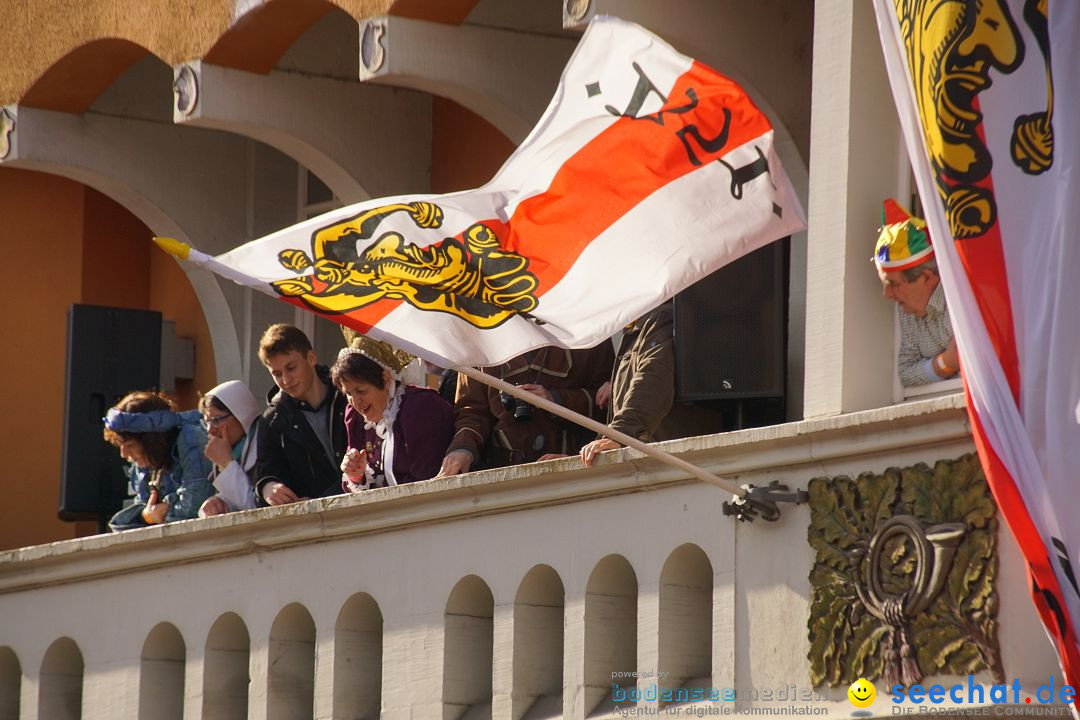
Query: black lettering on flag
642 90
742 175
690 135
1065 563
1052 603
709 145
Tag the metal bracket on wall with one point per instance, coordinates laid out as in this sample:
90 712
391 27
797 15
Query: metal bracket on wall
761 502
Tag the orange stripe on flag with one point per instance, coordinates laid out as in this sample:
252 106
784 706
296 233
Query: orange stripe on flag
983 258
620 167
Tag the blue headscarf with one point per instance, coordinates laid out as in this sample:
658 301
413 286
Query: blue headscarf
140 422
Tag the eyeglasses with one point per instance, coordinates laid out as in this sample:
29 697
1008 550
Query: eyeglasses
212 421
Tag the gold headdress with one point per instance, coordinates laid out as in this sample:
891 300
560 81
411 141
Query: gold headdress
383 354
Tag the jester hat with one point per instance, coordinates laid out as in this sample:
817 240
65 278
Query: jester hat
904 241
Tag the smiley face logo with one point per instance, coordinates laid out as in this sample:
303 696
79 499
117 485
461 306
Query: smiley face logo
862 693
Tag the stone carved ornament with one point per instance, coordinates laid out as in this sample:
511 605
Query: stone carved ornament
7 125
903 583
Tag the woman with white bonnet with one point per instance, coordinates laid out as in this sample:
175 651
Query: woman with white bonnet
231 414
398 433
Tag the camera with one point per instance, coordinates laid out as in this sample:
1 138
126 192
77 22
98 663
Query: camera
522 410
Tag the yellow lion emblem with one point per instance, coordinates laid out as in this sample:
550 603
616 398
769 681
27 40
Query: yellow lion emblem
472 278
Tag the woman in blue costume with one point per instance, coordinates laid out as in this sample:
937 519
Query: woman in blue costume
168 471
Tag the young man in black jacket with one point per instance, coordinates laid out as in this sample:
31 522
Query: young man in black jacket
302 436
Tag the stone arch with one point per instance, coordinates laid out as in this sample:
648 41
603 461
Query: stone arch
685 627
469 634
10 684
358 659
259 37
161 674
611 600
539 611
225 669
219 317
509 96
60 682
290 678
74 81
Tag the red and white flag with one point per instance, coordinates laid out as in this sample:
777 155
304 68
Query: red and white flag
647 172
988 96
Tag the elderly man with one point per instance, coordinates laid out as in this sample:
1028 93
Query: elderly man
905 262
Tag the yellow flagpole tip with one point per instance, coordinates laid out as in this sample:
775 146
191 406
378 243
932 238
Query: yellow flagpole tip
173 247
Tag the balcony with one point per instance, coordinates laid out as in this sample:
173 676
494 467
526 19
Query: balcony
517 593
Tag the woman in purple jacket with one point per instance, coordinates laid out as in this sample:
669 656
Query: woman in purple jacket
397 433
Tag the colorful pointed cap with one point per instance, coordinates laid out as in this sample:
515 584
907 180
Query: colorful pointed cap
904 241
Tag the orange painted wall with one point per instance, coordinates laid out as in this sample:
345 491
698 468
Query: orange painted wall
116 255
41 233
466 150
70 244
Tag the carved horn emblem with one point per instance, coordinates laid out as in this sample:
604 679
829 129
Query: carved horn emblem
934 548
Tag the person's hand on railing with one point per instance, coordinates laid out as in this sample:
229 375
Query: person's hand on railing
213 505
590 451
276 493
455 463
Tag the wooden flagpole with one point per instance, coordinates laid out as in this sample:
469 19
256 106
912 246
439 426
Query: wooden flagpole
597 427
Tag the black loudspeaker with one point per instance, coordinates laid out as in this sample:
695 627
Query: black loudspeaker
111 351
731 330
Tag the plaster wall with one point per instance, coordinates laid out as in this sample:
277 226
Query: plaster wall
158 26
121 268
42 220
466 150
326 49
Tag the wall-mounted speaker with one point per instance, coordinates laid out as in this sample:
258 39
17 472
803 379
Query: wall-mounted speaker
731 330
110 352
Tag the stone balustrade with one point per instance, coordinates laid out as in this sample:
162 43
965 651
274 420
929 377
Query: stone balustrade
518 593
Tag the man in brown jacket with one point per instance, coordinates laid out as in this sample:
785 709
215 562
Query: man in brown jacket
493 430
642 388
